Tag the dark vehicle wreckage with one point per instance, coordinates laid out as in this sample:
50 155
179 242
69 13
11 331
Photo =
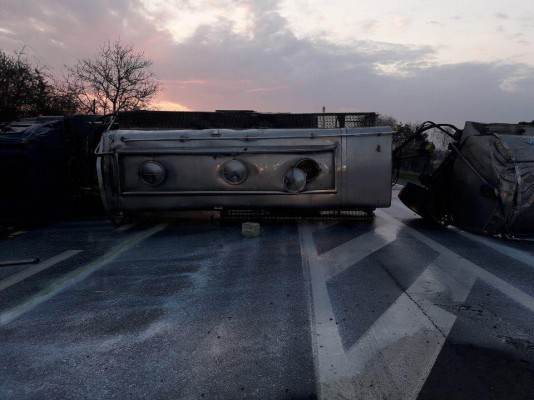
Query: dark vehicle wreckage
484 184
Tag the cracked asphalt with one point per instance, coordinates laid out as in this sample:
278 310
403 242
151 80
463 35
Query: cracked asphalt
392 309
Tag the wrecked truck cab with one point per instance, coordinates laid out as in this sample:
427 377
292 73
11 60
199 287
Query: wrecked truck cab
485 184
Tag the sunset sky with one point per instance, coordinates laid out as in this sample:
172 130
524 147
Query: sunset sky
448 61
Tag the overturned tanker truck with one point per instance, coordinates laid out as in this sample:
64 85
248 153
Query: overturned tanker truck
484 184
314 163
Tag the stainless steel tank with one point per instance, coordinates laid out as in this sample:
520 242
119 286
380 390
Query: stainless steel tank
344 168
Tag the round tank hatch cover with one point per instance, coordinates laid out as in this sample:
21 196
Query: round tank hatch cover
310 168
152 173
235 172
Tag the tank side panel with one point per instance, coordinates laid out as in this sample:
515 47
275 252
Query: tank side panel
367 171
355 168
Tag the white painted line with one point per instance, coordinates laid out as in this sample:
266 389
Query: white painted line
77 275
326 224
349 253
511 291
35 269
124 228
332 366
502 248
17 233
335 372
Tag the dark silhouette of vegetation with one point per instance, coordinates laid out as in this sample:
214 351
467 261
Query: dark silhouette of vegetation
117 79
401 131
26 89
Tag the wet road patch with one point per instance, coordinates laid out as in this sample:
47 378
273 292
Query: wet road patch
489 353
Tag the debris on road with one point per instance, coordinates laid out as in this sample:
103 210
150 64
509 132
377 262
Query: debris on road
250 229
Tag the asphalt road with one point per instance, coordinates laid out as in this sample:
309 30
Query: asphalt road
393 309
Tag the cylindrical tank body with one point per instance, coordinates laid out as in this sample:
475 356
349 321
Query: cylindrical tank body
346 168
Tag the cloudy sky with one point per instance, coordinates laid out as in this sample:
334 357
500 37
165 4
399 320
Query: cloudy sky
448 61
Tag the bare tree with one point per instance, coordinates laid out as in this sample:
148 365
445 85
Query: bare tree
118 78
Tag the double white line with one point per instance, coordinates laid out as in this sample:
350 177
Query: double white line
35 269
71 278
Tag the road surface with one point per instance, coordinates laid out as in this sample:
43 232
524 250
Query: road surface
393 309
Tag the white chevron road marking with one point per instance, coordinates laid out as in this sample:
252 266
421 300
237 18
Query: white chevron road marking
394 357
511 291
501 247
349 253
334 369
